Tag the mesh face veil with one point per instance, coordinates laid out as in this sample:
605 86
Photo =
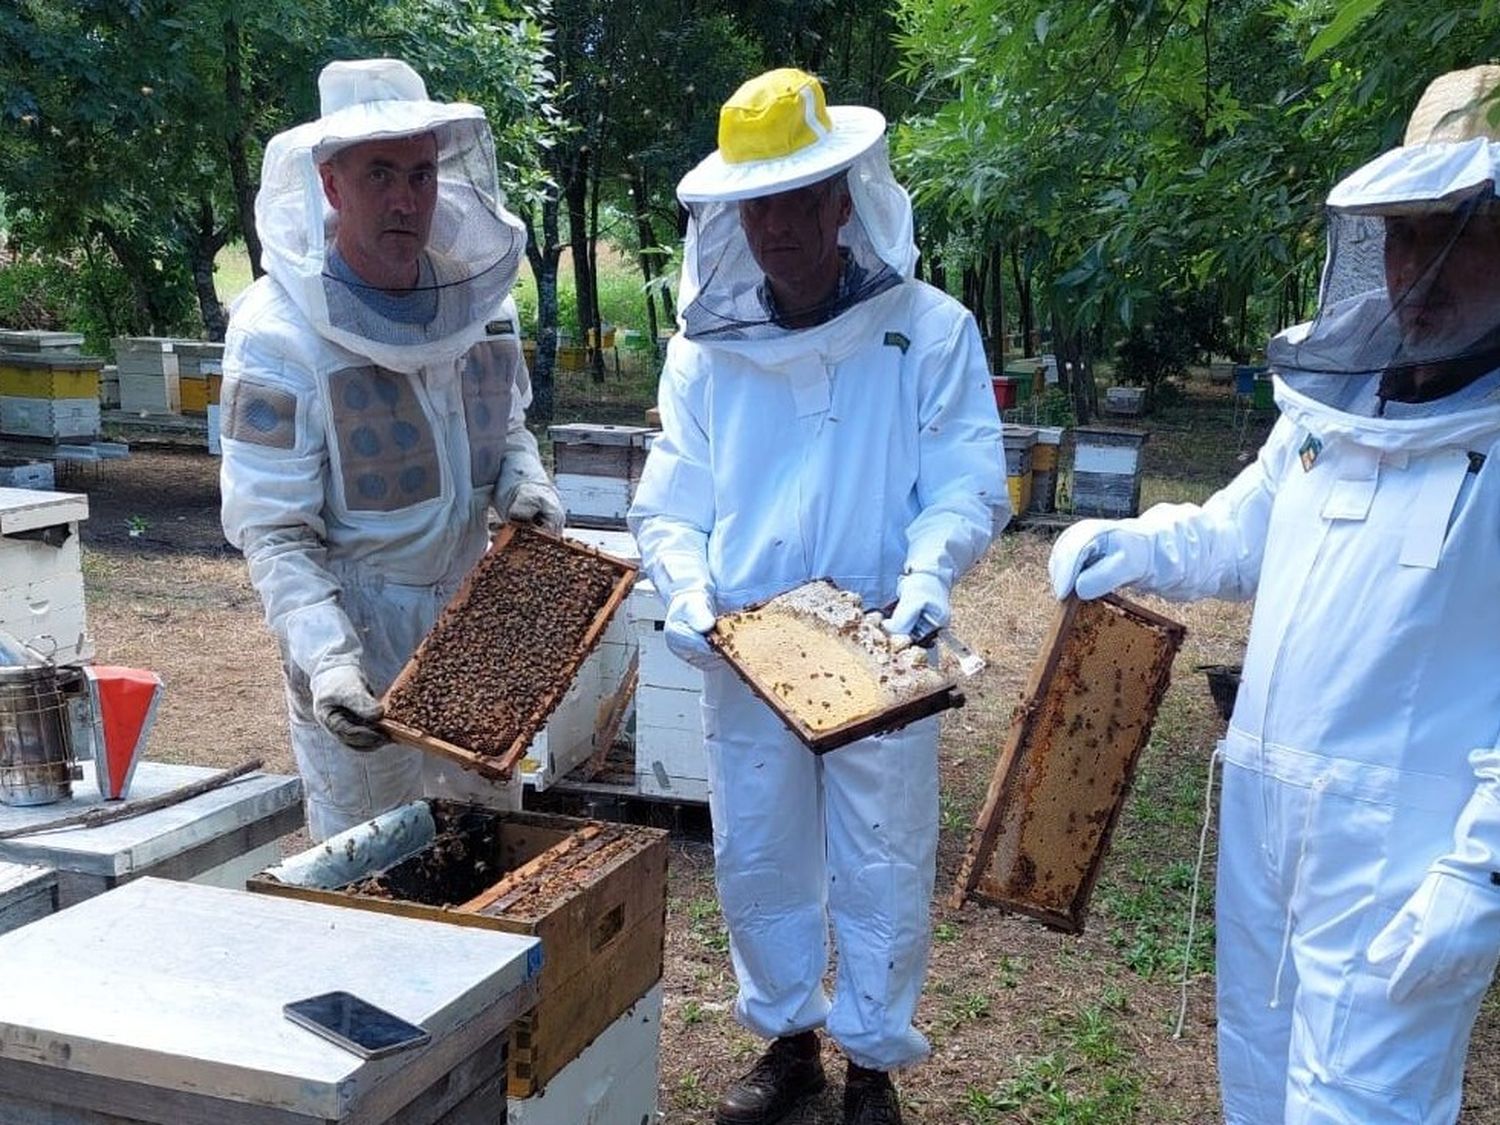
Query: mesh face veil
725 293
1411 286
403 162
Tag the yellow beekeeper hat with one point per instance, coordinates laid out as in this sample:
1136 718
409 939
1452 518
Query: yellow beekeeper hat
1456 107
776 133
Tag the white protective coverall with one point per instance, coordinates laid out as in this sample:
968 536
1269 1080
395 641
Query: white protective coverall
858 450
1361 787
360 460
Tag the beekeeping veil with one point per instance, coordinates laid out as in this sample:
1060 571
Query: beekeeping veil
777 134
474 247
1411 287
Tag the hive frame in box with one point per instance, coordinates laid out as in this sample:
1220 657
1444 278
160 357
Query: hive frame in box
498 767
602 933
1036 781
942 697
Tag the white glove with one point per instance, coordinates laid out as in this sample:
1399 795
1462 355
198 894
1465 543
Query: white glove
1448 930
343 704
921 605
690 616
537 503
1096 557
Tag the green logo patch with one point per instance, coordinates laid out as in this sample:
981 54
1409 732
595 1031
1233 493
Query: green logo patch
896 340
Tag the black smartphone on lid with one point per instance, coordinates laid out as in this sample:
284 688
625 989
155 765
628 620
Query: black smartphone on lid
355 1024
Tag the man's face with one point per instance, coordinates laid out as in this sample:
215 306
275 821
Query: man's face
794 236
384 192
1442 273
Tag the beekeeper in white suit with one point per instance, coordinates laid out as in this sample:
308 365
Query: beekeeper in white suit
823 415
1359 867
373 411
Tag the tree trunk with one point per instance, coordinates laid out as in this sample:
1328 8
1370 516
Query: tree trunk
543 253
203 248
149 318
1029 345
646 238
996 263
1076 370
596 324
242 183
575 191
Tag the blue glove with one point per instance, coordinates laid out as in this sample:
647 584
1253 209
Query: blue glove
690 617
1097 557
921 605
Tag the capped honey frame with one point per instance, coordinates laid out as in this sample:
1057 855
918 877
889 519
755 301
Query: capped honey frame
943 696
1062 777
499 767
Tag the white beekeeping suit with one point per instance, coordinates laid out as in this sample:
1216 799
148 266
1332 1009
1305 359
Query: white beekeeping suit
368 431
862 447
1359 866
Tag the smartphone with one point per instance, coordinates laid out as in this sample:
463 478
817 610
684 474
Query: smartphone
355 1025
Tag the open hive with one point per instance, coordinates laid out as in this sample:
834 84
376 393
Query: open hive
827 667
1061 779
504 650
594 893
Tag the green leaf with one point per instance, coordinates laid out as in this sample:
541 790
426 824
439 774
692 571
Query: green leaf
1350 15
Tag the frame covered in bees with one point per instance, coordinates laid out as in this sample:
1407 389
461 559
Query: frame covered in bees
594 892
1062 776
502 653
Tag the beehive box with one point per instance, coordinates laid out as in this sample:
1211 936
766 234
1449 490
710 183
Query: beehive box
828 669
200 366
1062 776
504 651
27 892
149 374
41 571
596 468
670 762
1107 471
593 892
26 340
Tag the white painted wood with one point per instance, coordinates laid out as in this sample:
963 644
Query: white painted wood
612 1082
568 737
213 969
1116 460
48 418
598 497
669 708
135 845
22 509
664 786
23 561
233 874
27 892
620 544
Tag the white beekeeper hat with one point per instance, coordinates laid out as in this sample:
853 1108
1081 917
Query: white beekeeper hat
776 133
366 99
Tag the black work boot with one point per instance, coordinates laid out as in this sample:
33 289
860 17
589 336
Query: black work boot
869 1098
791 1070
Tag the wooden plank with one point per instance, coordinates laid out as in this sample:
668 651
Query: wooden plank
22 509
612 711
521 874
1063 774
501 766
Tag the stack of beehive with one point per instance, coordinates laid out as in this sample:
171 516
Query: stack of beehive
200 371
149 374
669 758
49 395
597 468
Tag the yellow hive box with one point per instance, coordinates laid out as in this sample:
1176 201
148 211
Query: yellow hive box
26 376
199 392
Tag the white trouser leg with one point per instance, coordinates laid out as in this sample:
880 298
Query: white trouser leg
764 796
881 796
1250 908
1335 1050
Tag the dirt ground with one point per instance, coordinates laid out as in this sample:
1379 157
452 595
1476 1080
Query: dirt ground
1027 1025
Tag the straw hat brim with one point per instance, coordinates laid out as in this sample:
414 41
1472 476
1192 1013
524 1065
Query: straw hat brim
855 130
1420 180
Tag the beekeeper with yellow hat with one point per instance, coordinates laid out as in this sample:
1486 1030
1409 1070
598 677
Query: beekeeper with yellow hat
824 415
1359 868
373 411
